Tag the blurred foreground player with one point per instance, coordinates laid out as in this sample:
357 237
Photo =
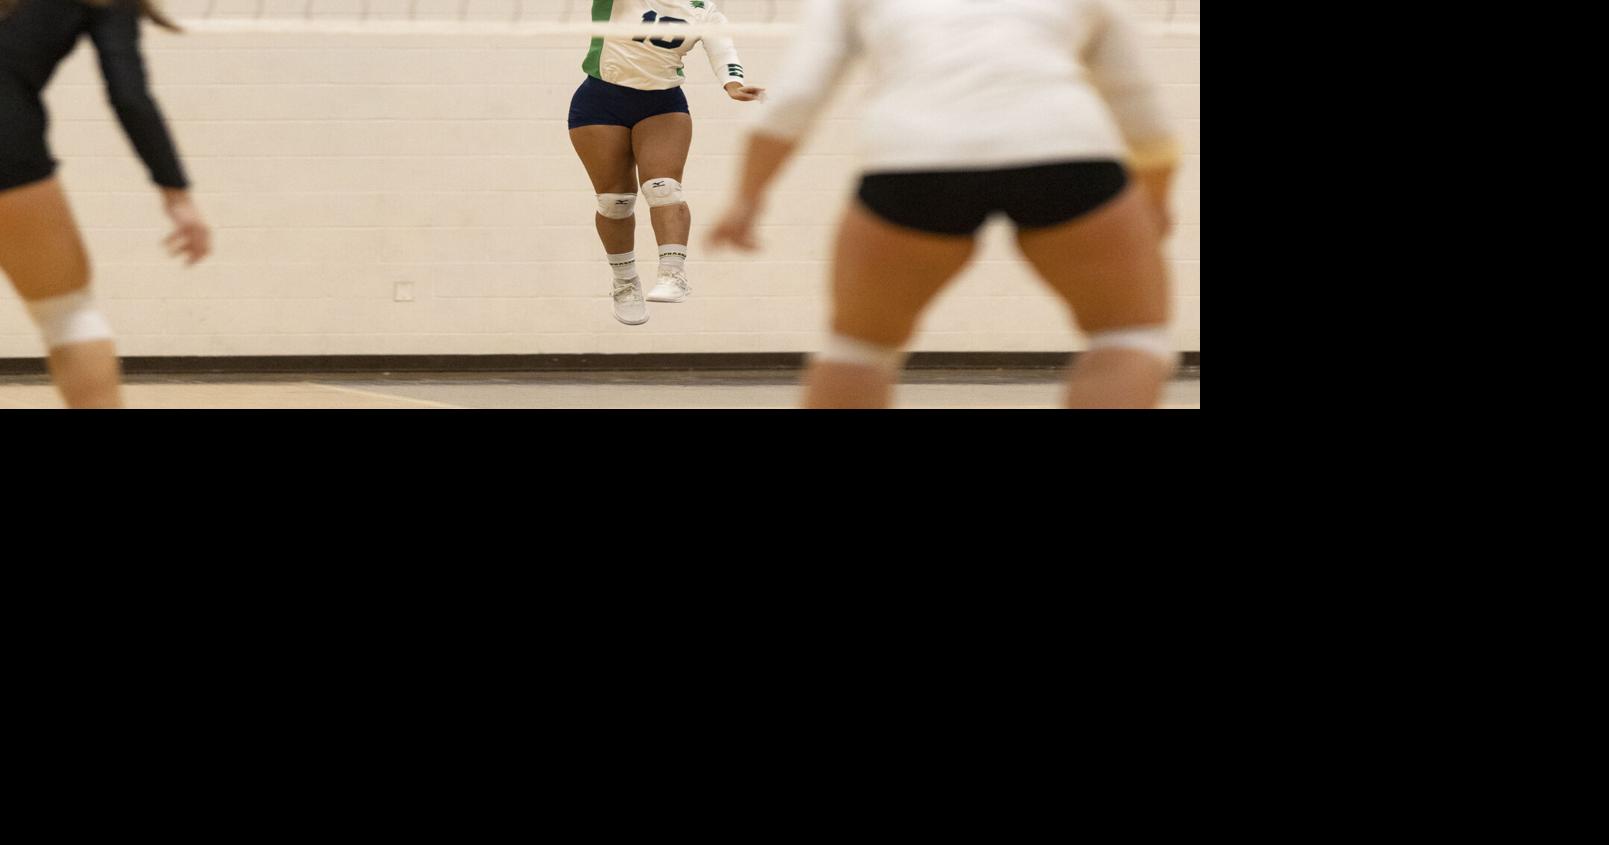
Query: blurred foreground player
41 250
1037 109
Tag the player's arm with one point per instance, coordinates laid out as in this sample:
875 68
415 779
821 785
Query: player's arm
1114 58
816 61
724 61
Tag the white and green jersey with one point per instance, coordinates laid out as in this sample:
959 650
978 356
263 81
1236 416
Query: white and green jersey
655 64
976 84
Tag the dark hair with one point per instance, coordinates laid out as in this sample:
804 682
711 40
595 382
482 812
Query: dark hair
149 8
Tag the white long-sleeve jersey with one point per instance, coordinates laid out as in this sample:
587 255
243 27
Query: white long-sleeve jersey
978 84
655 64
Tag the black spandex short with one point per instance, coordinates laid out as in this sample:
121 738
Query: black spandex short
24 159
957 202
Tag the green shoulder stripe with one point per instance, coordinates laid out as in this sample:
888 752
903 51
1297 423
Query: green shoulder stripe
601 12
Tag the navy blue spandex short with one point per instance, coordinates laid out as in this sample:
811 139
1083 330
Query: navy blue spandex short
599 103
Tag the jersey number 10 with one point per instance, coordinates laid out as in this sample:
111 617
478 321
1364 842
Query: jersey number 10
669 44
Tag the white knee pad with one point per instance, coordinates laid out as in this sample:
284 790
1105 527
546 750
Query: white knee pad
662 192
841 349
1156 341
617 206
69 319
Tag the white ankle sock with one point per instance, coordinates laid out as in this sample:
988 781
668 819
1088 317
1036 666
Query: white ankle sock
673 257
624 265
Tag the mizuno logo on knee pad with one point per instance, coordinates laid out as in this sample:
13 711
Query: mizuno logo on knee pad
617 206
662 192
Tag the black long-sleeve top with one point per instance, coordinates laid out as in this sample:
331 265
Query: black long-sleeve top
38 35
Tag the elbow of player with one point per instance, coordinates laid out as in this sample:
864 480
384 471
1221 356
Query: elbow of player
130 101
1159 154
777 133
782 119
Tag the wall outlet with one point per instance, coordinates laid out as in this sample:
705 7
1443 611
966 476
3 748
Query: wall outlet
404 292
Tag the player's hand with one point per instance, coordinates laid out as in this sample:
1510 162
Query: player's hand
738 91
735 229
191 238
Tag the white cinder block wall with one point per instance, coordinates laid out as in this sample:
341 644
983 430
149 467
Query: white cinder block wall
338 168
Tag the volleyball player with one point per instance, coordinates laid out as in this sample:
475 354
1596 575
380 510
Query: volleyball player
1037 109
630 124
41 250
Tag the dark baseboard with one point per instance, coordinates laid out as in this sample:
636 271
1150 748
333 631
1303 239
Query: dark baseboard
250 364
